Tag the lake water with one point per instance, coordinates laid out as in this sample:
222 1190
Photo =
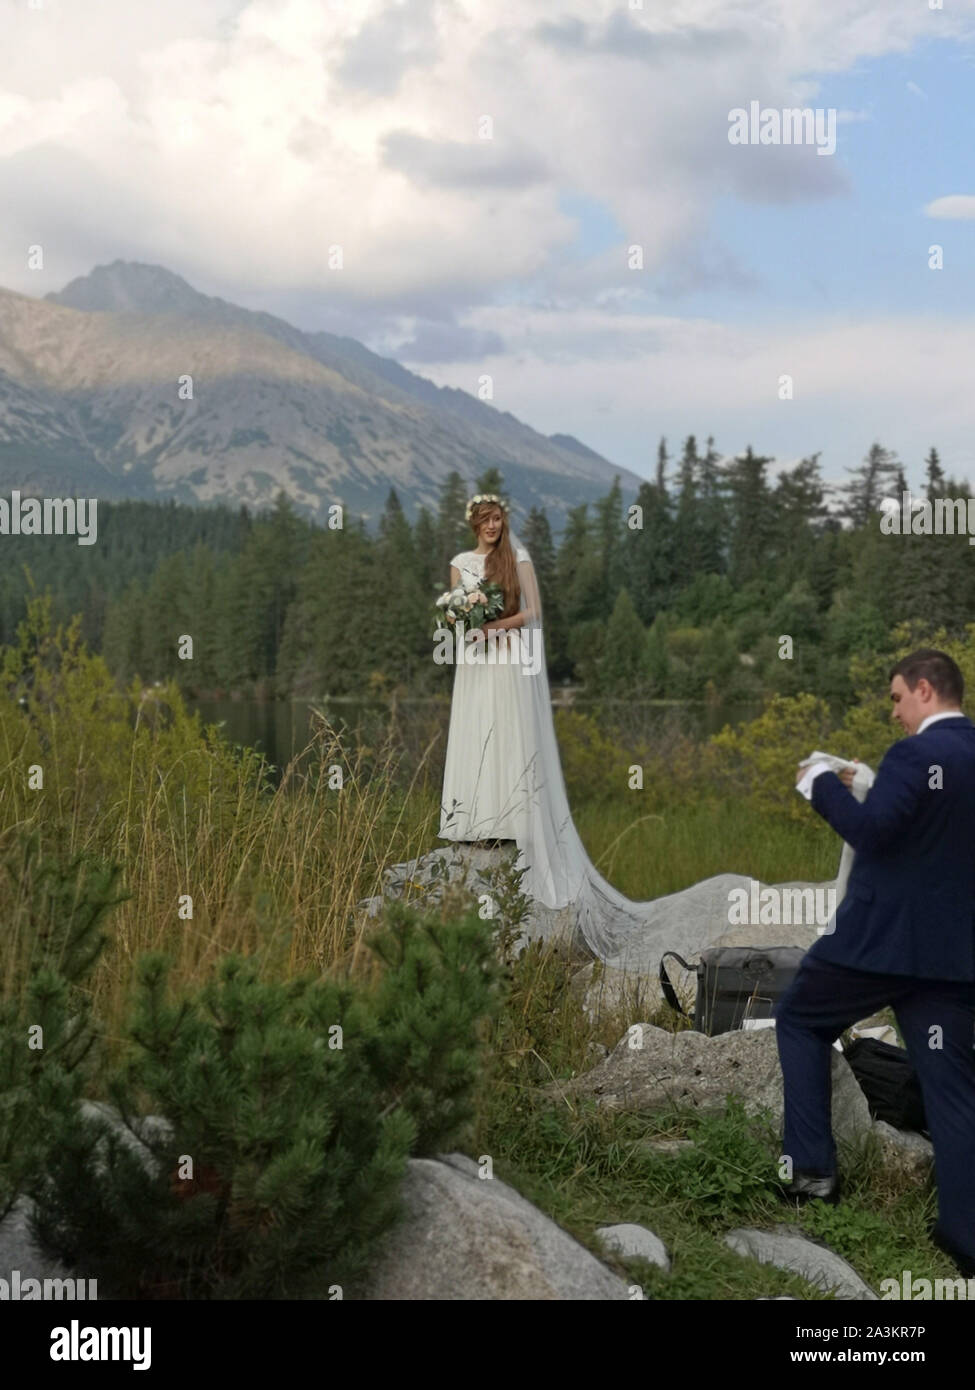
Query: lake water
282 728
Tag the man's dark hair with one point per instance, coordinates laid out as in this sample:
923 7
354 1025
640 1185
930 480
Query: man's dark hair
942 674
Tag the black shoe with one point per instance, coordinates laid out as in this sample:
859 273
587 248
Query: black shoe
806 1187
965 1263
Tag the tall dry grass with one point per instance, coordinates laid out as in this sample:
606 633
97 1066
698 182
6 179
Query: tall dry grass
215 856
276 869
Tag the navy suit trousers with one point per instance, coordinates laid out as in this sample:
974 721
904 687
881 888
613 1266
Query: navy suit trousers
821 1002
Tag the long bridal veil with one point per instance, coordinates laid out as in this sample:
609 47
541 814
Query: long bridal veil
559 872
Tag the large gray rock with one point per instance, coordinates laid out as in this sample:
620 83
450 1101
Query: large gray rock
464 1237
631 1242
18 1250
788 1248
696 917
424 881
148 1128
692 1069
904 1152
21 1259
687 922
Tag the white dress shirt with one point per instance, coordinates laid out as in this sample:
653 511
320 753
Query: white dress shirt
805 786
944 714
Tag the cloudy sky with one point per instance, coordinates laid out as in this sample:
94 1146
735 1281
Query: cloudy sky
486 170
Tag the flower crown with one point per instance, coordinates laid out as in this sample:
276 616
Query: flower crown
484 497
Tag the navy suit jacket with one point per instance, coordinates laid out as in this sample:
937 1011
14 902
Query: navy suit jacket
909 907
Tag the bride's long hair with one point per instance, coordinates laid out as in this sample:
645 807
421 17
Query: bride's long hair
499 563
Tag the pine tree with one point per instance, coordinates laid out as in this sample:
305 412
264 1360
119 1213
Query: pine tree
663 459
255 593
440 979
579 569
656 658
166 618
394 530
872 480
537 535
204 620
621 671
609 532
713 521
429 573
280 555
405 606
336 633
287 1109
687 519
935 475
799 514
453 532
649 564
491 480
752 533
55 928
935 576
122 637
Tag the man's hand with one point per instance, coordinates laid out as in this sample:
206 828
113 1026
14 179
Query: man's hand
846 776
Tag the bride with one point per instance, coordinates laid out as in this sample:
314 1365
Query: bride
502 775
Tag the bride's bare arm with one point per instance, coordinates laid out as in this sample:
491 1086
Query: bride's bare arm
454 577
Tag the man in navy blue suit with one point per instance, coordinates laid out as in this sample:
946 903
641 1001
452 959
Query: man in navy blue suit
904 935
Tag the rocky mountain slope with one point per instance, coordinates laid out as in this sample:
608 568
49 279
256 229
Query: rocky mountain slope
91 403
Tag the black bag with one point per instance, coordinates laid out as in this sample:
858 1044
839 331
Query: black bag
732 980
889 1082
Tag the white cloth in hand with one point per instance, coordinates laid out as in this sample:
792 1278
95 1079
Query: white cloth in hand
863 780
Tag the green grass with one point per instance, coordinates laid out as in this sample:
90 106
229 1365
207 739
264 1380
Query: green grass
587 1167
652 853
276 872
648 854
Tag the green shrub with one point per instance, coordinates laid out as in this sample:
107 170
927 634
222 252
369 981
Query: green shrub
441 981
594 767
759 760
55 911
290 1109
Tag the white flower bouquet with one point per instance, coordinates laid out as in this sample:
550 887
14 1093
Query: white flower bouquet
474 607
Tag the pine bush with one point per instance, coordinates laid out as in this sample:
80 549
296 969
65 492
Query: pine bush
55 911
287 1112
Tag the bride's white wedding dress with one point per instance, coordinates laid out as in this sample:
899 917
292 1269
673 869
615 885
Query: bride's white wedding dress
503 775
503 779
485 778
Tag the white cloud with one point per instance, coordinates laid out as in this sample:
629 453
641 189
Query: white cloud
236 142
905 379
960 206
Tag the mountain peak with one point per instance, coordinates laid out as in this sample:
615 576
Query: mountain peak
129 286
